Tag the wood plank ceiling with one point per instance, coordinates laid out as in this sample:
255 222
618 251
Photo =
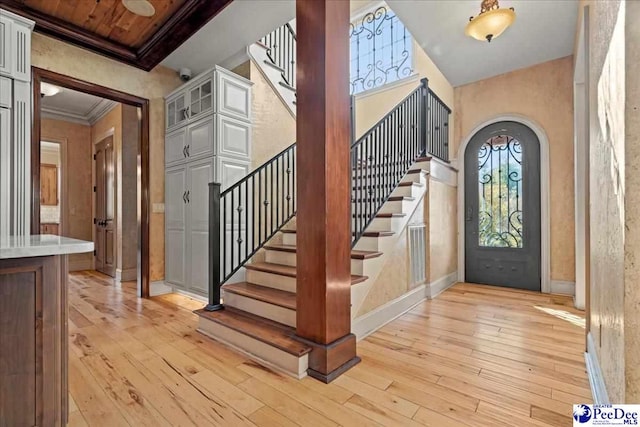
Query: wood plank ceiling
108 28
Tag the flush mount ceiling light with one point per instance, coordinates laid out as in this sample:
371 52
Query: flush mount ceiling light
491 22
140 7
47 89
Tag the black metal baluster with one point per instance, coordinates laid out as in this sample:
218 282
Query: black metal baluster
278 197
246 219
224 236
260 206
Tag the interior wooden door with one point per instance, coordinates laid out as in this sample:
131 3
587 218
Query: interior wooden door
48 185
105 192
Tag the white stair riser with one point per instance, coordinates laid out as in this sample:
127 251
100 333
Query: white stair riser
401 206
405 190
364 182
289 258
383 224
288 238
280 257
281 360
260 308
270 280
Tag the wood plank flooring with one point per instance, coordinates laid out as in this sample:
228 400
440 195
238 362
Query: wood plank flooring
474 356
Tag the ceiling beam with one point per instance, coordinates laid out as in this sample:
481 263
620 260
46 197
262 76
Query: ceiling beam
192 16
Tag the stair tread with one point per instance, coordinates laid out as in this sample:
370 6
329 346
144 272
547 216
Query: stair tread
285 270
383 215
410 183
262 293
378 233
259 328
355 254
398 198
401 184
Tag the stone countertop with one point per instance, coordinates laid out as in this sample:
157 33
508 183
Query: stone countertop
41 245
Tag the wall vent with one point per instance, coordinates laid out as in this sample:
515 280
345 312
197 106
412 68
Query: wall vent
417 254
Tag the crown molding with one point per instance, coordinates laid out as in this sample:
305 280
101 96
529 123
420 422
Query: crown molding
98 111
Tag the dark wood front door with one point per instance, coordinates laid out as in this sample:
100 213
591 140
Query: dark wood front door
105 194
502 207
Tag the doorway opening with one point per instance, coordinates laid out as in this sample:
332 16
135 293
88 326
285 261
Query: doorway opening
502 207
105 185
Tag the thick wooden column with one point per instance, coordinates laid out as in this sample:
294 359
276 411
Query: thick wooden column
324 187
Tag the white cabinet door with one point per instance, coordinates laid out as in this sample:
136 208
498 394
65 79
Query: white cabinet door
175 225
175 147
5 172
6 92
200 139
233 137
230 171
5 46
199 175
233 96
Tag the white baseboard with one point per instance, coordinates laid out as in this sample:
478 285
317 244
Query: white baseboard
596 380
442 284
126 275
370 322
80 264
159 288
563 287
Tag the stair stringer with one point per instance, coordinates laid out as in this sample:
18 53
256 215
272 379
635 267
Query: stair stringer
273 74
386 244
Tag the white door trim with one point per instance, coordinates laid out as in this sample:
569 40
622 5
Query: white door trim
545 223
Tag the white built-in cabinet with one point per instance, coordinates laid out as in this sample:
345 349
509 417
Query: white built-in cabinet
15 124
208 139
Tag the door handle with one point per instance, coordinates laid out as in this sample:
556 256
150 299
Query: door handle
469 214
184 151
188 201
184 197
186 113
188 153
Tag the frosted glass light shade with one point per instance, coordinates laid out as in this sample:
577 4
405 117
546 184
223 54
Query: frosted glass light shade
47 89
490 24
140 7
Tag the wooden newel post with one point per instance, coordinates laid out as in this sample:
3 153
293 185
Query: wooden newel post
214 248
324 187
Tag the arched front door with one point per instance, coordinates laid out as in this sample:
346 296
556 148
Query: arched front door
502 207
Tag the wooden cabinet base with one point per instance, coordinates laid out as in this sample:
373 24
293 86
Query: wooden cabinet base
33 341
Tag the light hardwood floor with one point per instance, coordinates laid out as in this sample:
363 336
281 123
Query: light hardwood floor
475 356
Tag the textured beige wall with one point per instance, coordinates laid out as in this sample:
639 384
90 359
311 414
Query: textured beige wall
274 128
127 190
544 94
443 229
632 205
393 280
122 123
78 191
69 60
607 181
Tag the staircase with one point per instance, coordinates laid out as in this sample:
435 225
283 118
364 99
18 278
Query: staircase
253 224
275 55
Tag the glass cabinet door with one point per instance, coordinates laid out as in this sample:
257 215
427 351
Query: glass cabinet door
176 111
201 99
